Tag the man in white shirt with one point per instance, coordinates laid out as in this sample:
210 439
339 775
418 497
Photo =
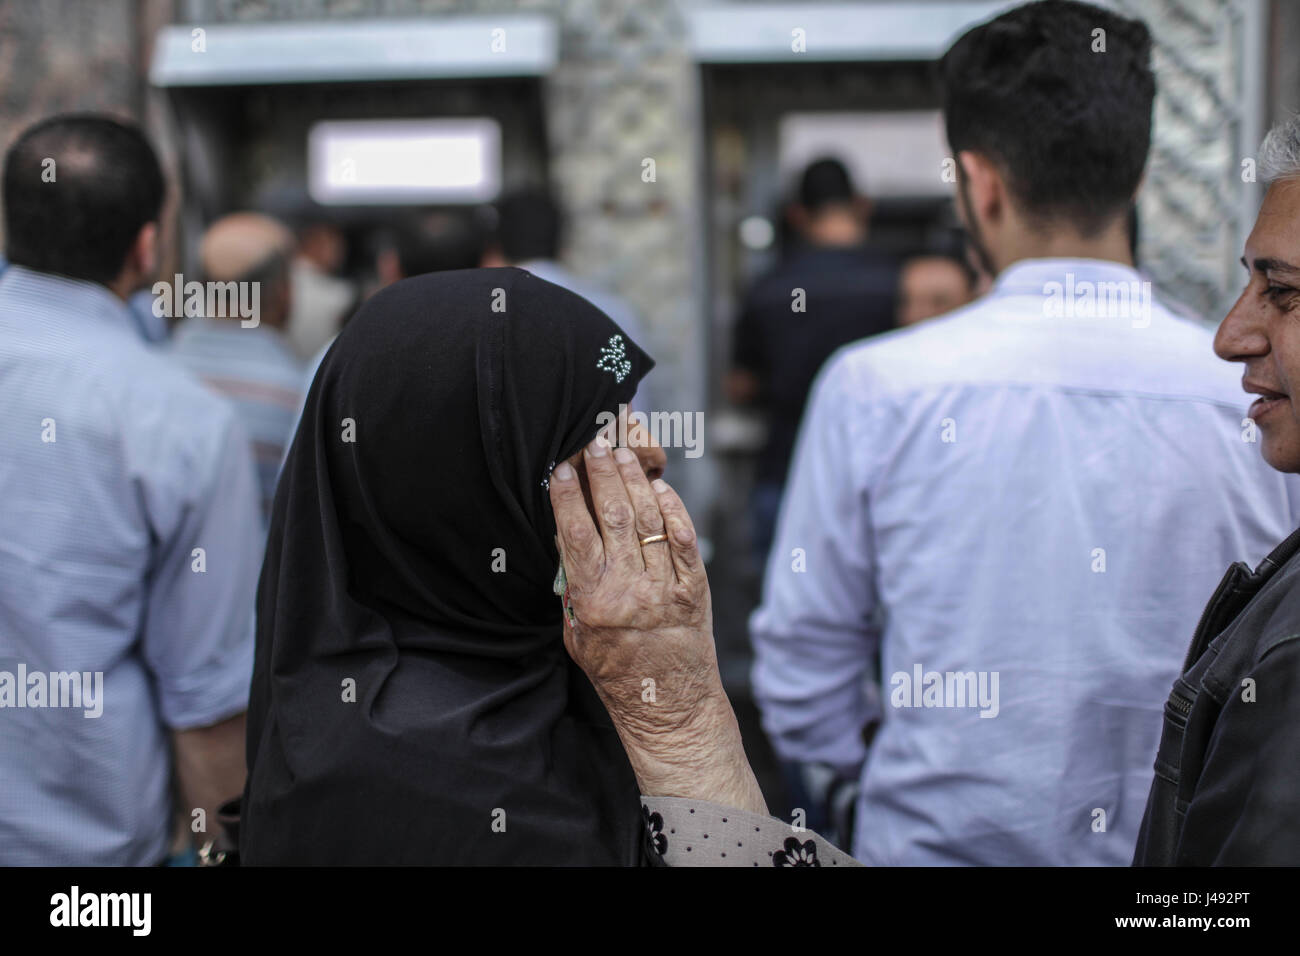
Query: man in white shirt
320 299
1019 507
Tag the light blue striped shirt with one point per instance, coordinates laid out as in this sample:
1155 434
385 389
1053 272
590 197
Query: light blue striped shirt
129 546
1023 510
257 372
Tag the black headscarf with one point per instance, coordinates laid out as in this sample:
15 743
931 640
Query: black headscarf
417 474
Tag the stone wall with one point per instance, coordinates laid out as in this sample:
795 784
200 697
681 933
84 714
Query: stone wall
1195 209
61 55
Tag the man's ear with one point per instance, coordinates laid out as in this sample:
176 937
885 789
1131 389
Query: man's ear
388 266
284 306
797 216
1137 192
143 257
984 185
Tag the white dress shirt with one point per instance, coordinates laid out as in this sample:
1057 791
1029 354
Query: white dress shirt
1032 499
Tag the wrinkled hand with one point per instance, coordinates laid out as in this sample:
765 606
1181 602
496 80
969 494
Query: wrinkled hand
642 629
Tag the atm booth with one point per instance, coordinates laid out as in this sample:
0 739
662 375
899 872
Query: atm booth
350 121
783 85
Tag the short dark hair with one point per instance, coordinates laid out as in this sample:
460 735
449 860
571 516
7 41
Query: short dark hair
437 241
528 225
106 186
1069 128
825 182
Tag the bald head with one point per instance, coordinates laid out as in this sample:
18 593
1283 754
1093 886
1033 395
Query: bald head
250 247
241 243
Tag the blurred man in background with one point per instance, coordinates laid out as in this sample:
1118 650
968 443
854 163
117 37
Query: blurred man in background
431 241
426 240
248 360
129 539
529 235
932 285
834 289
321 300
1022 505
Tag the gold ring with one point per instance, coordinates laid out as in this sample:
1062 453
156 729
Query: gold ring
653 538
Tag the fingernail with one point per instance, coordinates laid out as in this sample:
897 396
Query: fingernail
625 455
598 448
563 472
659 485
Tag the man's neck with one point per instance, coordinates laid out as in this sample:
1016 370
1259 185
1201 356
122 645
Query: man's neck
834 230
123 286
1110 246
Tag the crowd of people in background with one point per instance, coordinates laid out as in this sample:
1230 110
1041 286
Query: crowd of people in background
906 460
205 407
831 288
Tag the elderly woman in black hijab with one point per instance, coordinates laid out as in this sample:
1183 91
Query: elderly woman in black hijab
412 700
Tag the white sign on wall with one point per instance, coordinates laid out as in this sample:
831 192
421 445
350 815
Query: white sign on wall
887 153
368 162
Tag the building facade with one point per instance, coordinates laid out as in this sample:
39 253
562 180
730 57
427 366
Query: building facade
640 113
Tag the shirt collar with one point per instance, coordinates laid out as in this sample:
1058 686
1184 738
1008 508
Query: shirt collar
542 268
1029 276
74 296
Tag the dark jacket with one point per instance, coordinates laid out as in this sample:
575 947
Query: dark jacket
1227 784
849 293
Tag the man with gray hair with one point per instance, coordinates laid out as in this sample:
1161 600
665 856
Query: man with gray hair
1038 490
1227 783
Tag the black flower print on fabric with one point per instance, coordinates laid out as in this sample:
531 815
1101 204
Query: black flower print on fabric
654 823
796 854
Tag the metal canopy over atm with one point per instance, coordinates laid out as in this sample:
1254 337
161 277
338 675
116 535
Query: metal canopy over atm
843 32
259 107
344 51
